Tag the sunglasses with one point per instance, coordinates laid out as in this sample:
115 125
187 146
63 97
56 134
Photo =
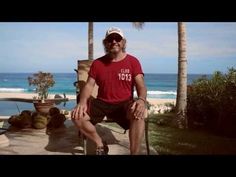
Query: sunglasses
117 38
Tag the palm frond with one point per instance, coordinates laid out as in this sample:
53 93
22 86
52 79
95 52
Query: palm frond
138 25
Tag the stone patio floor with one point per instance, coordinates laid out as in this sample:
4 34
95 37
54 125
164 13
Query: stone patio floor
64 141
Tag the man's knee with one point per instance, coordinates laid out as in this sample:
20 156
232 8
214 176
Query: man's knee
77 122
131 117
80 120
130 114
139 121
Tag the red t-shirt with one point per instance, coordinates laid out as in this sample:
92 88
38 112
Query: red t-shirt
115 79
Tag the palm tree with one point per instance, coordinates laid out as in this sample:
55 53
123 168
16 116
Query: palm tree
90 40
181 102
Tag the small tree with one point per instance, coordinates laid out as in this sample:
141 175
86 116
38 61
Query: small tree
42 81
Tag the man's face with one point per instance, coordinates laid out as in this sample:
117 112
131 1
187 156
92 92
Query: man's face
114 43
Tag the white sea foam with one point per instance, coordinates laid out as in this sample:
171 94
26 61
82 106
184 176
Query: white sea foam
162 92
12 90
157 92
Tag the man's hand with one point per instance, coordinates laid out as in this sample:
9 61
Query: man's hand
79 111
138 109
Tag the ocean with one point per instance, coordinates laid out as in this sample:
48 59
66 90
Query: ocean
162 86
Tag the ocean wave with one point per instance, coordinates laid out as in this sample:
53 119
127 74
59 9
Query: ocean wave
157 92
161 92
12 90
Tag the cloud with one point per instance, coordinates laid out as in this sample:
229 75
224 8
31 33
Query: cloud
210 49
160 41
29 50
49 47
211 40
38 45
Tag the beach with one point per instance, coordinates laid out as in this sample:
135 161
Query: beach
152 101
157 105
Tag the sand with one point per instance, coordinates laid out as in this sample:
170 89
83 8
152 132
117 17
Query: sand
153 101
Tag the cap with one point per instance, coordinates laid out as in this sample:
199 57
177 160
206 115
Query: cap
114 30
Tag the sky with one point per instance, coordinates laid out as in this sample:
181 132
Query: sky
56 46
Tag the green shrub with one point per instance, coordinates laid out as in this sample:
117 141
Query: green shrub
171 107
212 102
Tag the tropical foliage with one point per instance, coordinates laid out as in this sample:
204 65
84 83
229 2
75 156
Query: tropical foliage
212 102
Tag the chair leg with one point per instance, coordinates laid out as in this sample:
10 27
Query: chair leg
84 141
3 130
146 137
85 145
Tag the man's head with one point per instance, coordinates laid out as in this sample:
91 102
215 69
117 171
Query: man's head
114 40
114 30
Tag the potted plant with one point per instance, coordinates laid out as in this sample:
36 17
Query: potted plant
42 81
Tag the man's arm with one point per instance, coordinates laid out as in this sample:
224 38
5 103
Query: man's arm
140 104
140 87
86 92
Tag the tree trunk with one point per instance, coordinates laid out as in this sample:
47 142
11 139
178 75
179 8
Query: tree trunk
90 40
181 102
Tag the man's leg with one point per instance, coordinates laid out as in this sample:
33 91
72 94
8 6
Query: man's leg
88 129
136 132
124 117
86 123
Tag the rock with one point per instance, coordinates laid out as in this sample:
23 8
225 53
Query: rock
25 119
12 119
40 121
56 121
54 111
26 112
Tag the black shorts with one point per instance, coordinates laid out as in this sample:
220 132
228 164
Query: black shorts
119 113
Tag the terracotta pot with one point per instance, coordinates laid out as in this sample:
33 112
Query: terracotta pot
44 107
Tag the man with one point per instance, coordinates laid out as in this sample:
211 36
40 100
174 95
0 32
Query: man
116 74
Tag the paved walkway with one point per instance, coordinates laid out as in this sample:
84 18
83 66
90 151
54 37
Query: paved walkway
64 141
